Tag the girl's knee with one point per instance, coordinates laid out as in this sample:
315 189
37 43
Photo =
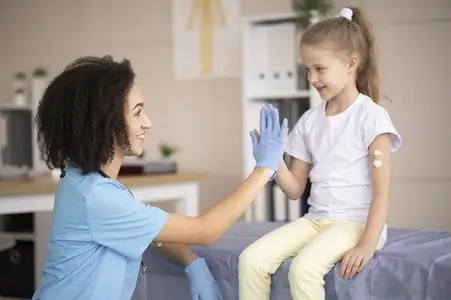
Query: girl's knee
302 270
298 271
252 259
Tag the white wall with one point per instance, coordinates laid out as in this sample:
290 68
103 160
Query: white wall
414 42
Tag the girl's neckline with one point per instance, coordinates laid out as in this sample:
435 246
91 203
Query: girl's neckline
343 113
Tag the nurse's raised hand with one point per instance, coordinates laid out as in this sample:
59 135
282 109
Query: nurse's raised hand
269 147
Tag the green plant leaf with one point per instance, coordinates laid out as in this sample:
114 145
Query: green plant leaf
167 150
40 72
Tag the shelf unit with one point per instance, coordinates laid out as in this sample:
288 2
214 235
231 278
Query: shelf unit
9 118
18 147
272 73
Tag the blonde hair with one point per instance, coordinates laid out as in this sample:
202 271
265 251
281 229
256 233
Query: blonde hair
353 36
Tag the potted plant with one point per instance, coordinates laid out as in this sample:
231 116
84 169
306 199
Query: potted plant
310 11
40 72
167 151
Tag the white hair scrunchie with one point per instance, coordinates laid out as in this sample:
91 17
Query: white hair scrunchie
346 13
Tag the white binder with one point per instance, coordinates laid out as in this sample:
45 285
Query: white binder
282 55
259 61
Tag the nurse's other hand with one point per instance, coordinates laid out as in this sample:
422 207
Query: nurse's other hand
201 282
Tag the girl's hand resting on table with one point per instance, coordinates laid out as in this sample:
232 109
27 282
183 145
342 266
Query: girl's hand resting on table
201 282
356 260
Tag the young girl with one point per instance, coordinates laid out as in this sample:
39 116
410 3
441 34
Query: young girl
344 146
90 117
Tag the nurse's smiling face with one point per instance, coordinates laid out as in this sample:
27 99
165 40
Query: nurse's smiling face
137 122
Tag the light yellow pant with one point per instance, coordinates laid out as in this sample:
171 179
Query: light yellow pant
316 247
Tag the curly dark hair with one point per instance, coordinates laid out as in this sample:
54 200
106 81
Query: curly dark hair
82 113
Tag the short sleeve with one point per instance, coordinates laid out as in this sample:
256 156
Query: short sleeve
296 142
377 122
120 222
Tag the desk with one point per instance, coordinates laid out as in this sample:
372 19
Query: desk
38 195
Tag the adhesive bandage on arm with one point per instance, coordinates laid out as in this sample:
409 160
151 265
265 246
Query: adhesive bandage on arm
377 163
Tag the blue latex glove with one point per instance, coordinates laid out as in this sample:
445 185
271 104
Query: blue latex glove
201 282
269 146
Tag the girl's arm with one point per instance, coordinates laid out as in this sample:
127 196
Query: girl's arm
380 159
293 181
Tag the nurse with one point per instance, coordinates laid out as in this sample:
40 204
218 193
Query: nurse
91 116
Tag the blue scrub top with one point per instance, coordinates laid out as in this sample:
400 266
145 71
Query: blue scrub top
98 235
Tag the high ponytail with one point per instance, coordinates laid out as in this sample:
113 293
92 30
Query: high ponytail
353 35
368 80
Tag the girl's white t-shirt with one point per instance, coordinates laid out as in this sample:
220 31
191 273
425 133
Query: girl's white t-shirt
337 147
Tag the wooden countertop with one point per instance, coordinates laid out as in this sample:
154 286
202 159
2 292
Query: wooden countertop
47 186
